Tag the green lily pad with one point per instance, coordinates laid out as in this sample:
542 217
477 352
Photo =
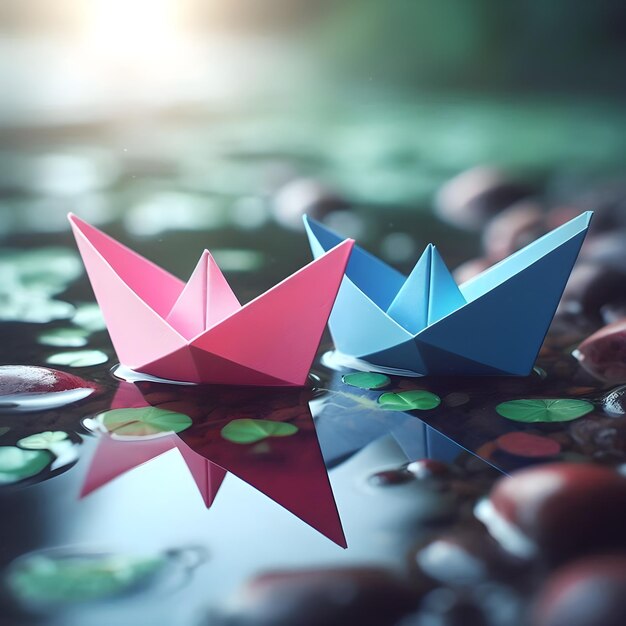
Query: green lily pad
64 337
417 399
250 430
78 358
144 422
89 317
43 579
366 380
17 464
542 410
42 441
34 308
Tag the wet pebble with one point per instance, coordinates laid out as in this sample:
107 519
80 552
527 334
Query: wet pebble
31 388
464 558
590 592
607 249
389 478
528 445
473 197
333 597
614 402
591 287
603 354
305 196
471 268
512 229
445 607
428 468
557 511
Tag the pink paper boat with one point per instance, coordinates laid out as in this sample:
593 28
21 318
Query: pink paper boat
199 332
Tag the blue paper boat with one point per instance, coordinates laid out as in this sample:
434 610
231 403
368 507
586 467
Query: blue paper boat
493 324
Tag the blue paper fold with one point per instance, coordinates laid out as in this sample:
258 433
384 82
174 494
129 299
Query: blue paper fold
493 324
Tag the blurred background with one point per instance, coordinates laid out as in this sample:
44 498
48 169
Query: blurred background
228 120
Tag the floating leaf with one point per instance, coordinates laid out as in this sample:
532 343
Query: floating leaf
4 430
64 337
542 410
34 308
42 441
17 464
417 399
89 317
44 579
144 422
366 380
78 358
250 431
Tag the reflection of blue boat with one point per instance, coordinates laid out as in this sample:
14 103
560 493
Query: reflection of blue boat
493 324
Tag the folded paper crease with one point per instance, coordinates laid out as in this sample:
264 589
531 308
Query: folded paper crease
494 324
199 332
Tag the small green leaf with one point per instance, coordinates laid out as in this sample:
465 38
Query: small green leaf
42 578
64 337
78 358
4 430
250 430
543 410
42 441
17 464
417 399
144 422
89 317
366 380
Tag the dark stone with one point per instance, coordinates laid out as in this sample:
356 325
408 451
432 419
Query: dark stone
603 354
512 229
472 198
591 287
32 388
590 592
305 196
332 597
557 512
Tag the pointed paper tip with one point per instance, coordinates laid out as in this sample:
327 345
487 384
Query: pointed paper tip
587 215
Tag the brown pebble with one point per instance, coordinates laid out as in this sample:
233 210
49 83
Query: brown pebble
603 354
472 198
512 229
557 511
590 592
333 597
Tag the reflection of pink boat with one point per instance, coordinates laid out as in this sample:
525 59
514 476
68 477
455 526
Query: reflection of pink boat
199 332
289 470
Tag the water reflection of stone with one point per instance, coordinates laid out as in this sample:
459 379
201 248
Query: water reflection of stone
288 469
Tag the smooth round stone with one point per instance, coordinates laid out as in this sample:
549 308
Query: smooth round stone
512 229
333 597
389 478
305 196
32 388
464 559
557 511
590 592
603 354
607 249
472 198
527 445
591 287
614 311
609 206
471 268
428 468
614 402
446 607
